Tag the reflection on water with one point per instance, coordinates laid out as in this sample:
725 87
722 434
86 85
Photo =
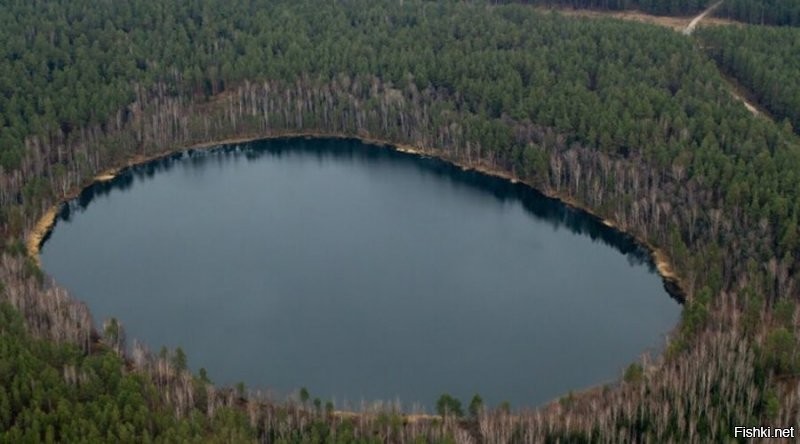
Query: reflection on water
542 207
361 273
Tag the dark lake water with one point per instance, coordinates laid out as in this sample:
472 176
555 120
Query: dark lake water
361 273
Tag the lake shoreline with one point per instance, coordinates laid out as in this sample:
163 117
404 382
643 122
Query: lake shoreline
672 284
46 223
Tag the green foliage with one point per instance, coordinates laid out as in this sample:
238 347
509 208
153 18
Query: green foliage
16 248
304 395
634 373
764 12
696 313
780 351
783 313
660 7
113 333
32 270
752 312
53 393
504 407
624 89
766 61
475 405
503 85
447 405
179 360
568 400
770 404
202 375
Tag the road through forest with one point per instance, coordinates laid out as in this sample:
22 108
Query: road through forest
693 24
680 24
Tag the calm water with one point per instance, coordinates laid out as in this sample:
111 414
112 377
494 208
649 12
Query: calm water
360 273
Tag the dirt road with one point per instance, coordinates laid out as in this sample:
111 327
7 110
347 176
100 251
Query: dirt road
693 24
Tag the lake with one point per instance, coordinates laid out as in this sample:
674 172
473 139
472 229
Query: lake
361 273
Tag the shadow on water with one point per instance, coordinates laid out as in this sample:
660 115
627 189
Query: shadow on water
547 209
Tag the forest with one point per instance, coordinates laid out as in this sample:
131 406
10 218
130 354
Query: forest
53 392
658 7
761 12
767 69
628 120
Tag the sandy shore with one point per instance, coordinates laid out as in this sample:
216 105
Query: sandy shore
43 226
45 223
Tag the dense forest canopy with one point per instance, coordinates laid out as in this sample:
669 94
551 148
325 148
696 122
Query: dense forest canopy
763 12
659 7
41 399
765 60
631 121
619 88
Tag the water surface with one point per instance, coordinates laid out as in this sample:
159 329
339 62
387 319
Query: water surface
360 273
